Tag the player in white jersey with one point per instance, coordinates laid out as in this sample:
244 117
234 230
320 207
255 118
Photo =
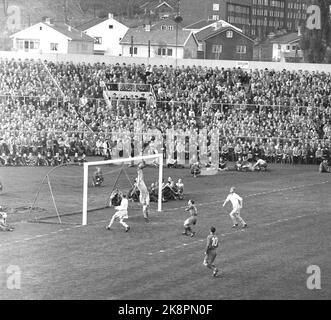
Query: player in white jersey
144 193
237 203
121 214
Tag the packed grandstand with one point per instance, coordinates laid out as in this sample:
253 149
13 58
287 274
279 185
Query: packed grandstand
50 111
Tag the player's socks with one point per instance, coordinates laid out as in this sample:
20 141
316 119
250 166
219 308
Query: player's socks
215 273
127 229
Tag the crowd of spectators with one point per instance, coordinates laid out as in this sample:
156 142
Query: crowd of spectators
57 109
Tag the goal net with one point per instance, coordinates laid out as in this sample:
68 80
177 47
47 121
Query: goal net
73 194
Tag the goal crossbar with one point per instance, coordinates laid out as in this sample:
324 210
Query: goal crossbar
158 157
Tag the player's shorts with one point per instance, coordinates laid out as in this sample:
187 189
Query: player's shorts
190 221
144 198
122 214
235 210
210 257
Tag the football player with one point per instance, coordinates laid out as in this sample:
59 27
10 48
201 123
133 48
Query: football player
144 194
237 203
121 214
192 220
211 251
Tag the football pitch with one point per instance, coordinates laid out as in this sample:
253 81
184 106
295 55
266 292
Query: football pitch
288 211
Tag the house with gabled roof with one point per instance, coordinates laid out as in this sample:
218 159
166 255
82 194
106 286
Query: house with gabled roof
49 37
280 48
161 8
107 33
224 42
159 41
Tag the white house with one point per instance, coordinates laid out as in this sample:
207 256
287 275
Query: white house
47 37
108 33
286 48
159 41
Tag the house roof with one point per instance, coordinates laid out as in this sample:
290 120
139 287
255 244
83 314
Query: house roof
286 38
152 4
204 33
211 32
200 24
94 22
74 34
166 22
157 37
68 31
91 23
204 24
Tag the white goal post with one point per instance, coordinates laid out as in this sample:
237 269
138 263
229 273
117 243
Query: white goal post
157 157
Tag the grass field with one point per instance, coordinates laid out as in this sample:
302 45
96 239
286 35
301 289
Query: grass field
288 211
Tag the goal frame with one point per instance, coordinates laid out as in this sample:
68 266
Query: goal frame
158 157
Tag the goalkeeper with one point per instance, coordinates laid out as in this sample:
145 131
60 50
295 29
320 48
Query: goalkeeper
144 194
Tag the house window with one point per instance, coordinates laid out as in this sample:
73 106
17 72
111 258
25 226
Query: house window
111 26
169 52
98 40
216 48
287 48
162 51
54 46
165 27
216 7
241 49
294 48
134 51
229 34
215 17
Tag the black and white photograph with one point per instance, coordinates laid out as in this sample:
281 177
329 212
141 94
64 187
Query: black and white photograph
175 152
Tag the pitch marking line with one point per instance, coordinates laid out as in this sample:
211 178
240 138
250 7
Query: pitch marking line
173 249
174 209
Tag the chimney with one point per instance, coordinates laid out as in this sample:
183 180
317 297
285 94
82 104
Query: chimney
218 25
110 16
147 27
48 20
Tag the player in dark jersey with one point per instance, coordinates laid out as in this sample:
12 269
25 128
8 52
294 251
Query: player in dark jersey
210 253
222 166
192 220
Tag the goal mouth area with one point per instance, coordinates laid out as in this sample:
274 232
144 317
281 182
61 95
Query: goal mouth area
60 197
